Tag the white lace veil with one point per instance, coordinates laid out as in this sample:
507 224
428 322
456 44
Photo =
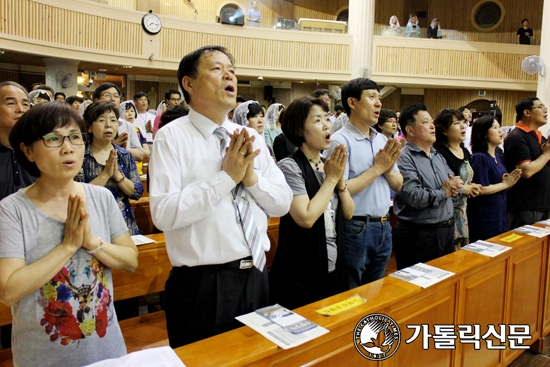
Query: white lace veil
83 107
432 24
391 23
271 115
409 23
239 116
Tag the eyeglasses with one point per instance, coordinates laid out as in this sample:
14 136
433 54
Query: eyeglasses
56 140
109 95
175 99
541 106
111 122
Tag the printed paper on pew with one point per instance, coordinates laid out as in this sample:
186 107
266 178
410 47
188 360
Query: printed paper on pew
142 240
545 222
533 231
422 275
277 334
153 357
486 248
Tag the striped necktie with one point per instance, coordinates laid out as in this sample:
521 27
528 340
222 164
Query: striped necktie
244 213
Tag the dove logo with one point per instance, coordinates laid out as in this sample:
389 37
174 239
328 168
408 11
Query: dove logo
376 337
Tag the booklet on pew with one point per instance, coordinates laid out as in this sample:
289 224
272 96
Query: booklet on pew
142 240
545 222
153 357
485 248
533 231
422 275
278 334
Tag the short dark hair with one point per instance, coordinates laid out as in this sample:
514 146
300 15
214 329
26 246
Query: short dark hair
16 85
141 94
442 122
190 63
408 116
254 109
355 88
70 100
40 120
35 85
320 92
102 87
524 104
385 115
59 94
295 115
173 113
95 110
129 105
479 133
46 87
241 99
524 20
463 108
338 108
169 93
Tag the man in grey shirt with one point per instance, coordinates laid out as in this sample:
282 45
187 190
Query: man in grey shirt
425 230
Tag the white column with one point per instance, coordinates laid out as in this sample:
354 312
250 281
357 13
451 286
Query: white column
361 26
56 69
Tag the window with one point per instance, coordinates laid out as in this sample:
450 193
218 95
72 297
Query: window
487 15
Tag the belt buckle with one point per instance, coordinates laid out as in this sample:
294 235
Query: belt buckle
246 264
384 219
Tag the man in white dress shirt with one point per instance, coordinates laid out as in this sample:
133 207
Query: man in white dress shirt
192 178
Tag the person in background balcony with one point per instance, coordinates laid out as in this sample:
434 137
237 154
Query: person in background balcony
394 27
434 29
253 15
524 34
412 29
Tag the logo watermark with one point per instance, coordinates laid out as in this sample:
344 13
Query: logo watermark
376 337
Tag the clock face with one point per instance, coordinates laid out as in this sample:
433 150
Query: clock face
151 23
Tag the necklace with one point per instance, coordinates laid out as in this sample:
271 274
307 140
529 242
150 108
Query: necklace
315 163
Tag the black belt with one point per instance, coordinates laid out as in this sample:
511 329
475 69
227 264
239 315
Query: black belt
383 219
444 224
245 263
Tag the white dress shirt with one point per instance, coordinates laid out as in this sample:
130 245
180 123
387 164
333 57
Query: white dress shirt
141 121
190 195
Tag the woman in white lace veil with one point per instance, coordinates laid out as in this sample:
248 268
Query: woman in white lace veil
83 107
394 26
413 29
250 114
435 29
272 123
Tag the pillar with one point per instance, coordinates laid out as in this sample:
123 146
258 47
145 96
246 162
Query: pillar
543 87
56 69
361 26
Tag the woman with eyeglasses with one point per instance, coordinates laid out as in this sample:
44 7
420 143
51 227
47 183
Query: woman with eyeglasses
106 164
59 241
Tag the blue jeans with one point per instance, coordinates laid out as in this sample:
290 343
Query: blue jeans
368 250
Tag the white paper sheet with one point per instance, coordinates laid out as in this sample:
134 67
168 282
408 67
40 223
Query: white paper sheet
422 275
533 231
142 240
153 357
283 338
486 248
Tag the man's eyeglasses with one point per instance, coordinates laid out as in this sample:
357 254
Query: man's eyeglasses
56 140
177 100
541 106
109 95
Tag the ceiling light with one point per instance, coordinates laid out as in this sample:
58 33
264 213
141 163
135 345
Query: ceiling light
127 66
102 69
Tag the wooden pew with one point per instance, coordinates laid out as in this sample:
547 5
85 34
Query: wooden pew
142 212
511 288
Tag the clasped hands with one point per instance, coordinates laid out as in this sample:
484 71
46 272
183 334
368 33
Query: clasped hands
238 162
77 227
452 185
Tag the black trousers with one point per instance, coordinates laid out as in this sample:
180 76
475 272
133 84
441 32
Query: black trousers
202 301
521 218
414 243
